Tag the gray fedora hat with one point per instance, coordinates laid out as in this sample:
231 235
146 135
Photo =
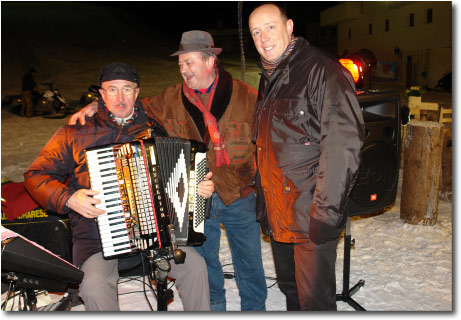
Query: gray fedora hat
196 40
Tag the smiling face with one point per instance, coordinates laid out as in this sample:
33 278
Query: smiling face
119 96
197 72
271 32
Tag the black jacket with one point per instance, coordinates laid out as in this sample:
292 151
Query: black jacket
309 131
60 170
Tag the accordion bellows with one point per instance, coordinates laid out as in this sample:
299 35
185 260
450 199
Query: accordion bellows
149 191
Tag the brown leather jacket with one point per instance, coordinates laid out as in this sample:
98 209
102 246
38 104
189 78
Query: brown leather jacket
233 106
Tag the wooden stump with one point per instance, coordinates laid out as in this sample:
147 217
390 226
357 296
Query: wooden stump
421 172
446 180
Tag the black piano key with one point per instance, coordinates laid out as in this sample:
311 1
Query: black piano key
121 244
113 205
116 223
109 193
109 181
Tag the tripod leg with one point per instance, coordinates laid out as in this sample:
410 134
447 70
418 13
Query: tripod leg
347 293
30 300
162 302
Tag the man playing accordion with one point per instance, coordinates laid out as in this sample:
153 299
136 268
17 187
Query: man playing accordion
59 181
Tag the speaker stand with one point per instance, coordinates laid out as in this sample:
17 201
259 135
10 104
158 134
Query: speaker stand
159 268
347 293
27 295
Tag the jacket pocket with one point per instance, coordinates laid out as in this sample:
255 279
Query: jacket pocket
295 113
299 186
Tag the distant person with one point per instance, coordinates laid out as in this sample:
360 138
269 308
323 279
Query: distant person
28 87
58 180
309 131
212 107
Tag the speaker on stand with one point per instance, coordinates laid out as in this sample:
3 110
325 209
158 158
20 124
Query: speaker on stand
377 181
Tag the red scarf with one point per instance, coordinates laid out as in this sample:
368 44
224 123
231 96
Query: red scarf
219 148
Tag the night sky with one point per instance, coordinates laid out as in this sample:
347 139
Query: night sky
155 19
177 16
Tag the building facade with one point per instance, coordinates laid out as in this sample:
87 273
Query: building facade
412 41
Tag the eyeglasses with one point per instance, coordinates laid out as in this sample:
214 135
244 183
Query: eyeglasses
112 91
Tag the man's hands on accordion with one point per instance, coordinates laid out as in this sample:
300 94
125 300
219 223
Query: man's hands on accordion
206 188
83 201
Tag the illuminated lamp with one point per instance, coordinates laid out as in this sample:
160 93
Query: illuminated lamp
360 64
352 67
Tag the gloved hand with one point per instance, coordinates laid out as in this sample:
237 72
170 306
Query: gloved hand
320 232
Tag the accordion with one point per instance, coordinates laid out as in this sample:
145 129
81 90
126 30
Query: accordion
149 191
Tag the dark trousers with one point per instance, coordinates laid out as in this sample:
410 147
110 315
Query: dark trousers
306 274
28 108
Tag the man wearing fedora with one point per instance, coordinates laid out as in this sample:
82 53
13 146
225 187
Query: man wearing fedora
212 107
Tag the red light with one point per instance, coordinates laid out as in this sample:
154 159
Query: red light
352 67
373 197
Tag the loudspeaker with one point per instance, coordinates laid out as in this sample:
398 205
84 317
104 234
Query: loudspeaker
376 185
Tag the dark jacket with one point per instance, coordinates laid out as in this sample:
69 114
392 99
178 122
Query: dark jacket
233 107
60 170
28 82
309 131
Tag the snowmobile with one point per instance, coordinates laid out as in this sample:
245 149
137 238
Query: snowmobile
53 103
91 95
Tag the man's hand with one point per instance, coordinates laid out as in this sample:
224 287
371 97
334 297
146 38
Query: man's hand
320 232
87 111
206 187
83 203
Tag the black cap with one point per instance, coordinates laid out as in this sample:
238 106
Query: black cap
119 71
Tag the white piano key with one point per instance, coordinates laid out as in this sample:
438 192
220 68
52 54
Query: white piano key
115 231
111 252
114 243
115 222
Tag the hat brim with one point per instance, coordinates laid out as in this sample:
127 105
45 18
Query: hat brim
216 51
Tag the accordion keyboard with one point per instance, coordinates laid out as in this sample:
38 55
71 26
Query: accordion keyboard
112 226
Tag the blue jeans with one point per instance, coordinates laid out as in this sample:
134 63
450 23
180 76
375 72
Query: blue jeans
243 234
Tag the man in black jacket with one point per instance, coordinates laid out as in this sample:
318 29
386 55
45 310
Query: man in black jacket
59 181
308 129
28 88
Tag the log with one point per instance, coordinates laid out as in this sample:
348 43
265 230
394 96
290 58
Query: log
421 173
446 180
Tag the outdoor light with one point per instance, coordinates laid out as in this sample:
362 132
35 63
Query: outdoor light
354 69
360 64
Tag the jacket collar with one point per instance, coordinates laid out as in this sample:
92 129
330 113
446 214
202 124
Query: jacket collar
104 116
283 67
